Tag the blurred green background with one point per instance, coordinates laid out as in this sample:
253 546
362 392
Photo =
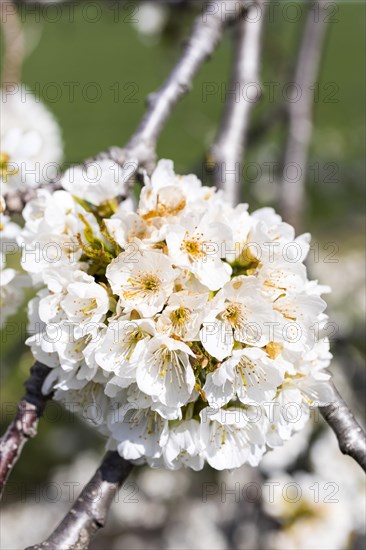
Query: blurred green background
95 76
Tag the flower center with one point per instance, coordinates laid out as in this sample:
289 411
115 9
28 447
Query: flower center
233 314
130 341
170 201
170 365
143 284
179 318
193 247
88 310
5 170
166 209
273 349
251 373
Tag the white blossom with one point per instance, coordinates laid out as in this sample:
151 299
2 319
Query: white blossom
164 371
196 244
238 312
143 280
86 301
12 286
99 181
31 145
314 512
248 374
232 437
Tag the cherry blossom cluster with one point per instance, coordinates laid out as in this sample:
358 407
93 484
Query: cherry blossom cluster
185 330
31 149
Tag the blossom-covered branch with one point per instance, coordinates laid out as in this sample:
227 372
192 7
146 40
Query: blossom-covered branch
300 114
89 513
351 436
228 149
24 425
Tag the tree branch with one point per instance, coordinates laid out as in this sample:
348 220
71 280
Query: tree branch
25 423
206 35
292 198
89 513
228 149
351 437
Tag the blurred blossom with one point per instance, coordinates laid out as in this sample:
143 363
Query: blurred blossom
134 510
321 510
164 485
150 19
348 304
329 463
9 230
19 528
137 542
31 145
281 458
12 285
308 522
79 471
195 527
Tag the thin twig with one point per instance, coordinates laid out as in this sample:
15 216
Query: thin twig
24 426
351 437
89 513
300 107
207 32
228 149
